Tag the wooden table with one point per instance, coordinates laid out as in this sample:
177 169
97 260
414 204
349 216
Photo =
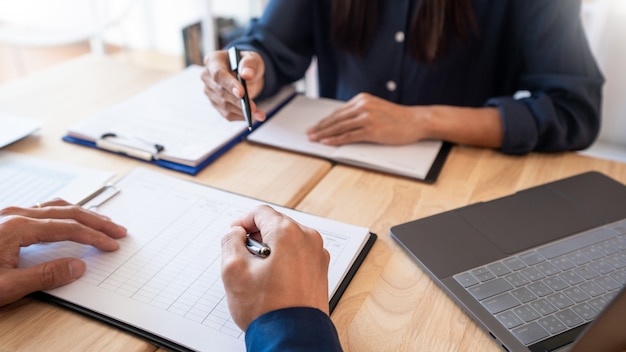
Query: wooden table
75 90
391 305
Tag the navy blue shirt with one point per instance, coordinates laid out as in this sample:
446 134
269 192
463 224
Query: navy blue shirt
537 46
292 329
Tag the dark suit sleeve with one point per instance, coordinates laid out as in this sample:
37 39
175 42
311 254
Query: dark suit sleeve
559 70
293 329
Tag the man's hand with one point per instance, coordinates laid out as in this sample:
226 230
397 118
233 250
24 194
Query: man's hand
295 274
54 221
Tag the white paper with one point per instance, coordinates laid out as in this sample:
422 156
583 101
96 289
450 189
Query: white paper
287 130
165 278
174 113
25 181
13 128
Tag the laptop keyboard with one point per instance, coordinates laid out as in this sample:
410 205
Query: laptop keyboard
548 290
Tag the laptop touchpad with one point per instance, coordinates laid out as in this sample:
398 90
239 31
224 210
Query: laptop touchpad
527 219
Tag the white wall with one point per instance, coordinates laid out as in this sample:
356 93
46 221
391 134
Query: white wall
605 22
144 24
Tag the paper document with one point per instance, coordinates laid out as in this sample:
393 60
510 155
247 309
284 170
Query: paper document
165 278
174 114
287 130
13 128
25 181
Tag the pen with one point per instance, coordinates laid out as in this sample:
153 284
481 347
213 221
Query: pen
234 56
257 248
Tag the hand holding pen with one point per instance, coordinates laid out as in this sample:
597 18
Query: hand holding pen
295 274
224 89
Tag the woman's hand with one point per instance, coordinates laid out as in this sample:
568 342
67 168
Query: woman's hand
224 90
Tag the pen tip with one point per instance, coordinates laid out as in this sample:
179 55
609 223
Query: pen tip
250 128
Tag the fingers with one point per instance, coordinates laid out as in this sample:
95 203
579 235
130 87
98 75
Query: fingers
62 210
27 231
224 90
294 275
260 220
343 127
278 230
17 283
252 68
233 243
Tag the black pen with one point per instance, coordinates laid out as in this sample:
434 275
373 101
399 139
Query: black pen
234 56
257 248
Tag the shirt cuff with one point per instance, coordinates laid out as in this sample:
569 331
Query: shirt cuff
293 329
520 128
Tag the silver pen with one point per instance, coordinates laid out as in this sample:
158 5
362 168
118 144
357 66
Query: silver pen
257 248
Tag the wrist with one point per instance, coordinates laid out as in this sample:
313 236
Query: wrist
463 125
428 125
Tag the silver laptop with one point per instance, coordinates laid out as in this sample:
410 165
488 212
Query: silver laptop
534 268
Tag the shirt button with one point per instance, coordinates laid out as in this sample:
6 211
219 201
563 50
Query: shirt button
399 37
391 86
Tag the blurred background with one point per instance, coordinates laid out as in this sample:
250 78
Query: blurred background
168 35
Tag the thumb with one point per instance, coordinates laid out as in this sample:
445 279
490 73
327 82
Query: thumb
51 274
20 282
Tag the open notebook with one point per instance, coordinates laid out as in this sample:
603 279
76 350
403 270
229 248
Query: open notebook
164 282
287 130
171 124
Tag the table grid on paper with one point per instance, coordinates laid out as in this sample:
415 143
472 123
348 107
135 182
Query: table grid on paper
171 258
23 185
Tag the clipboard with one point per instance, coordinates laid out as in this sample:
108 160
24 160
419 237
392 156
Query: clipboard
153 157
202 211
171 124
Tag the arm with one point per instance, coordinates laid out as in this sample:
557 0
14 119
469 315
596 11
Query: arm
563 111
273 298
367 118
283 38
275 52
540 48
57 220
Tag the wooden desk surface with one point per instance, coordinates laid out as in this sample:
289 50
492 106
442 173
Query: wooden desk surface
391 305
75 90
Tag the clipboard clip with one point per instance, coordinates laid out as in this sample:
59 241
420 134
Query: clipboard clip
99 197
134 147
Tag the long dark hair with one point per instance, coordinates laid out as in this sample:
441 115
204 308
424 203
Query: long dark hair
354 23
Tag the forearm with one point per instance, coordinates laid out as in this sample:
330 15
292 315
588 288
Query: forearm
462 125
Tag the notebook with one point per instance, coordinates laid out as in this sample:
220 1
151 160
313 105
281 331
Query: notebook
533 268
164 283
286 129
171 124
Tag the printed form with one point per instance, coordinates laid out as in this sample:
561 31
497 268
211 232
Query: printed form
165 278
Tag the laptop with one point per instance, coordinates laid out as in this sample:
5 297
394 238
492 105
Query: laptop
534 268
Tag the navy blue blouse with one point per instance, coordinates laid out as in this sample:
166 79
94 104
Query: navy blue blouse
522 45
